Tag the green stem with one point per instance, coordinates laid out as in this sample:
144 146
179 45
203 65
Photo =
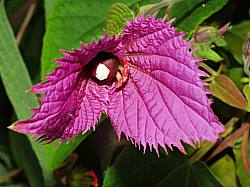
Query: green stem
208 69
159 6
201 152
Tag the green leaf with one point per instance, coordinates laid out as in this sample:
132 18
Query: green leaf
244 178
225 171
48 6
182 9
224 89
201 12
220 42
56 155
205 51
117 18
235 38
71 22
133 169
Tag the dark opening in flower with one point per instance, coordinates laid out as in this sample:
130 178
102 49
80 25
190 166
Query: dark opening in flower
104 67
161 99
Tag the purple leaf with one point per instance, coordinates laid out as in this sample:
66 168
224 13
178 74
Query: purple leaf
164 101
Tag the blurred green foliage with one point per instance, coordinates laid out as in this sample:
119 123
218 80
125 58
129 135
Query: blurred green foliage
62 24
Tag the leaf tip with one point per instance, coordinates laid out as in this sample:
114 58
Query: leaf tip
15 127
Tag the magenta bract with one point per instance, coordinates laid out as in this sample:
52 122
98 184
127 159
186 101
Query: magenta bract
161 101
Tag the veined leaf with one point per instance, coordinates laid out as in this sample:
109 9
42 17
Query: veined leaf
117 18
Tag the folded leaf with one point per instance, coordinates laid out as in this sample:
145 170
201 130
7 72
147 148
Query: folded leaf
224 88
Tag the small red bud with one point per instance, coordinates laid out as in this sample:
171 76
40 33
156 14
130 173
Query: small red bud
246 54
205 34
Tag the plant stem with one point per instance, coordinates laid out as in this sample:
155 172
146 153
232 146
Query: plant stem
244 151
10 175
230 125
207 68
25 23
21 12
230 140
159 6
219 71
201 152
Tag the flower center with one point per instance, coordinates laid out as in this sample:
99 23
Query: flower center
106 68
102 72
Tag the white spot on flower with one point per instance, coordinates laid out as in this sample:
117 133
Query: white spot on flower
102 72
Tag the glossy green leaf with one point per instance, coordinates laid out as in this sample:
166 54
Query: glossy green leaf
243 177
225 171
190 22
224 89
117 18
133 169
235 38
